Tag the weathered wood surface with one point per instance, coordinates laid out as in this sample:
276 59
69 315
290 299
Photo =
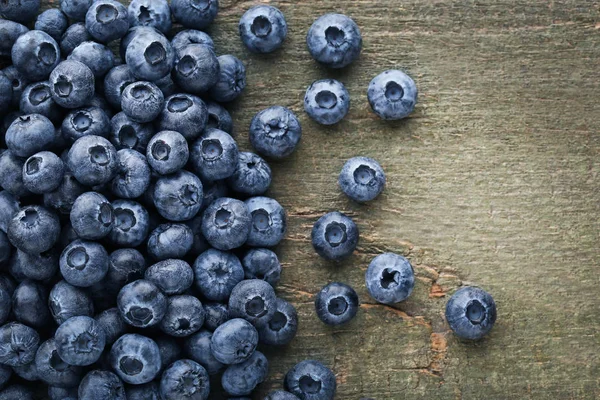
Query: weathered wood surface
493 181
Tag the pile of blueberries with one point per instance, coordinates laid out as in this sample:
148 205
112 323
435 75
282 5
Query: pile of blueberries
135 239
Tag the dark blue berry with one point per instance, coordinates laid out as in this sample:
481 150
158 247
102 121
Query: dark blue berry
29 134
66 301
268 222
185 315
263 29
195 14
142 101
133 174
196 68
96 56
80 341
216 314
73 37
92 216
128 134
52 369
282 327
106 20
43 172
327 101
253 300
11 174
112 324
275 132
35 54
53 21
142 304
18 344
392 95
183 113
262 264
101 385
336 304
191 36
311 380
169 350
226 223
390 278
37 99
234 342
471 313
150 55
334 236
84 263
232 79
178 197
30 304
216 273
197 348
170 241
151 13
241 379
167 152
39 267
185 379
135 358
252 175
219 117
34 229
132 223
72 84
9 33
362 179
171 276
334 40
115 81
214 155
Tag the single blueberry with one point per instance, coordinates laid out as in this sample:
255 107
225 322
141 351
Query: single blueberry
241 379
471 313
34 229
234 342
75 9
106 20
197 348
150 55
226 223
280 395
311 380
73 37
336 304
216 273
35 54
185 379
30 304
390 278
115 81
11 175
268 222
133 175
72 84
96 56
112 324
216 314
84 263
128 134
101 385
183 113
282 328
263 29
29 134
92 216
132 223
135 358
36 98
64 196
142 101
152 13
53 21
185 315
191 36
262 264
18 344
125 266
167 152
252 175
232 79
334 40
196 68
9 33
43 172
178 197
334 236
80 341
147 391
142 304
327 101
196 14
219 117
275 132
170 241
39 267
66 301
392 95
362 179
171 276
253 300
214 155
52 369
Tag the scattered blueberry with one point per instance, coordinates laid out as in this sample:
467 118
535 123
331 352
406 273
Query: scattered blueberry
241 379
185 315
133 175
10 31
115 82
29 134
151 13
18 344
282 327
191 36
178 197
142 101
215 315
170 241
167 152
73 37
197 348
135 358
112 324
34 229
30 304
149 55
131 225
196 68
84 122
183 113
39 267
362 179
390 278
36 98
195 14
106 20
101 385
52 369
334 40
327 101
226 223
262 264
84 263
75 9
334 236
234 342
142 304
268 222
232 79
79 341
336 303
392 95
471 313
72 84
43 172
92 216
253 300
128 134
184 379
171 276
35 54
252 175
311 380
275 132
96 56
263 29
67 301
214 155
53 21
219 117
11 174
216 273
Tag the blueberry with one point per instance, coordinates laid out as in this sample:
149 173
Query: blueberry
112 324
97 385
132 223
219 117
29 134
18 344
19 83
253 300
35 54
148 391
39 267
471 313
171 276
252 175
178 197
20 11
226 223
185 315
34 229
9 33
191 36
280 395
52 369
135 358
185 379
133 174
66 301
72 84
334 236
334 40
73 37
195 14
131 33
59 393
43 172
196 68
362 179
75 9
84 263
37 99
215 190
197 348
390 278
167 152
263 29
336 304
183 113
53 21
11 174
241 379
234 342
142 101
216 314
115 82
169 350
282 328
149 55
392 95
170 241
6 94
311 380
92 216
30 304
216 273
16 392
106 20
79 341
152 13
327 101
128 134
275 132
232 79
64 196
268 222
262 264
96 56
214 155
93 160
142 304
125 266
